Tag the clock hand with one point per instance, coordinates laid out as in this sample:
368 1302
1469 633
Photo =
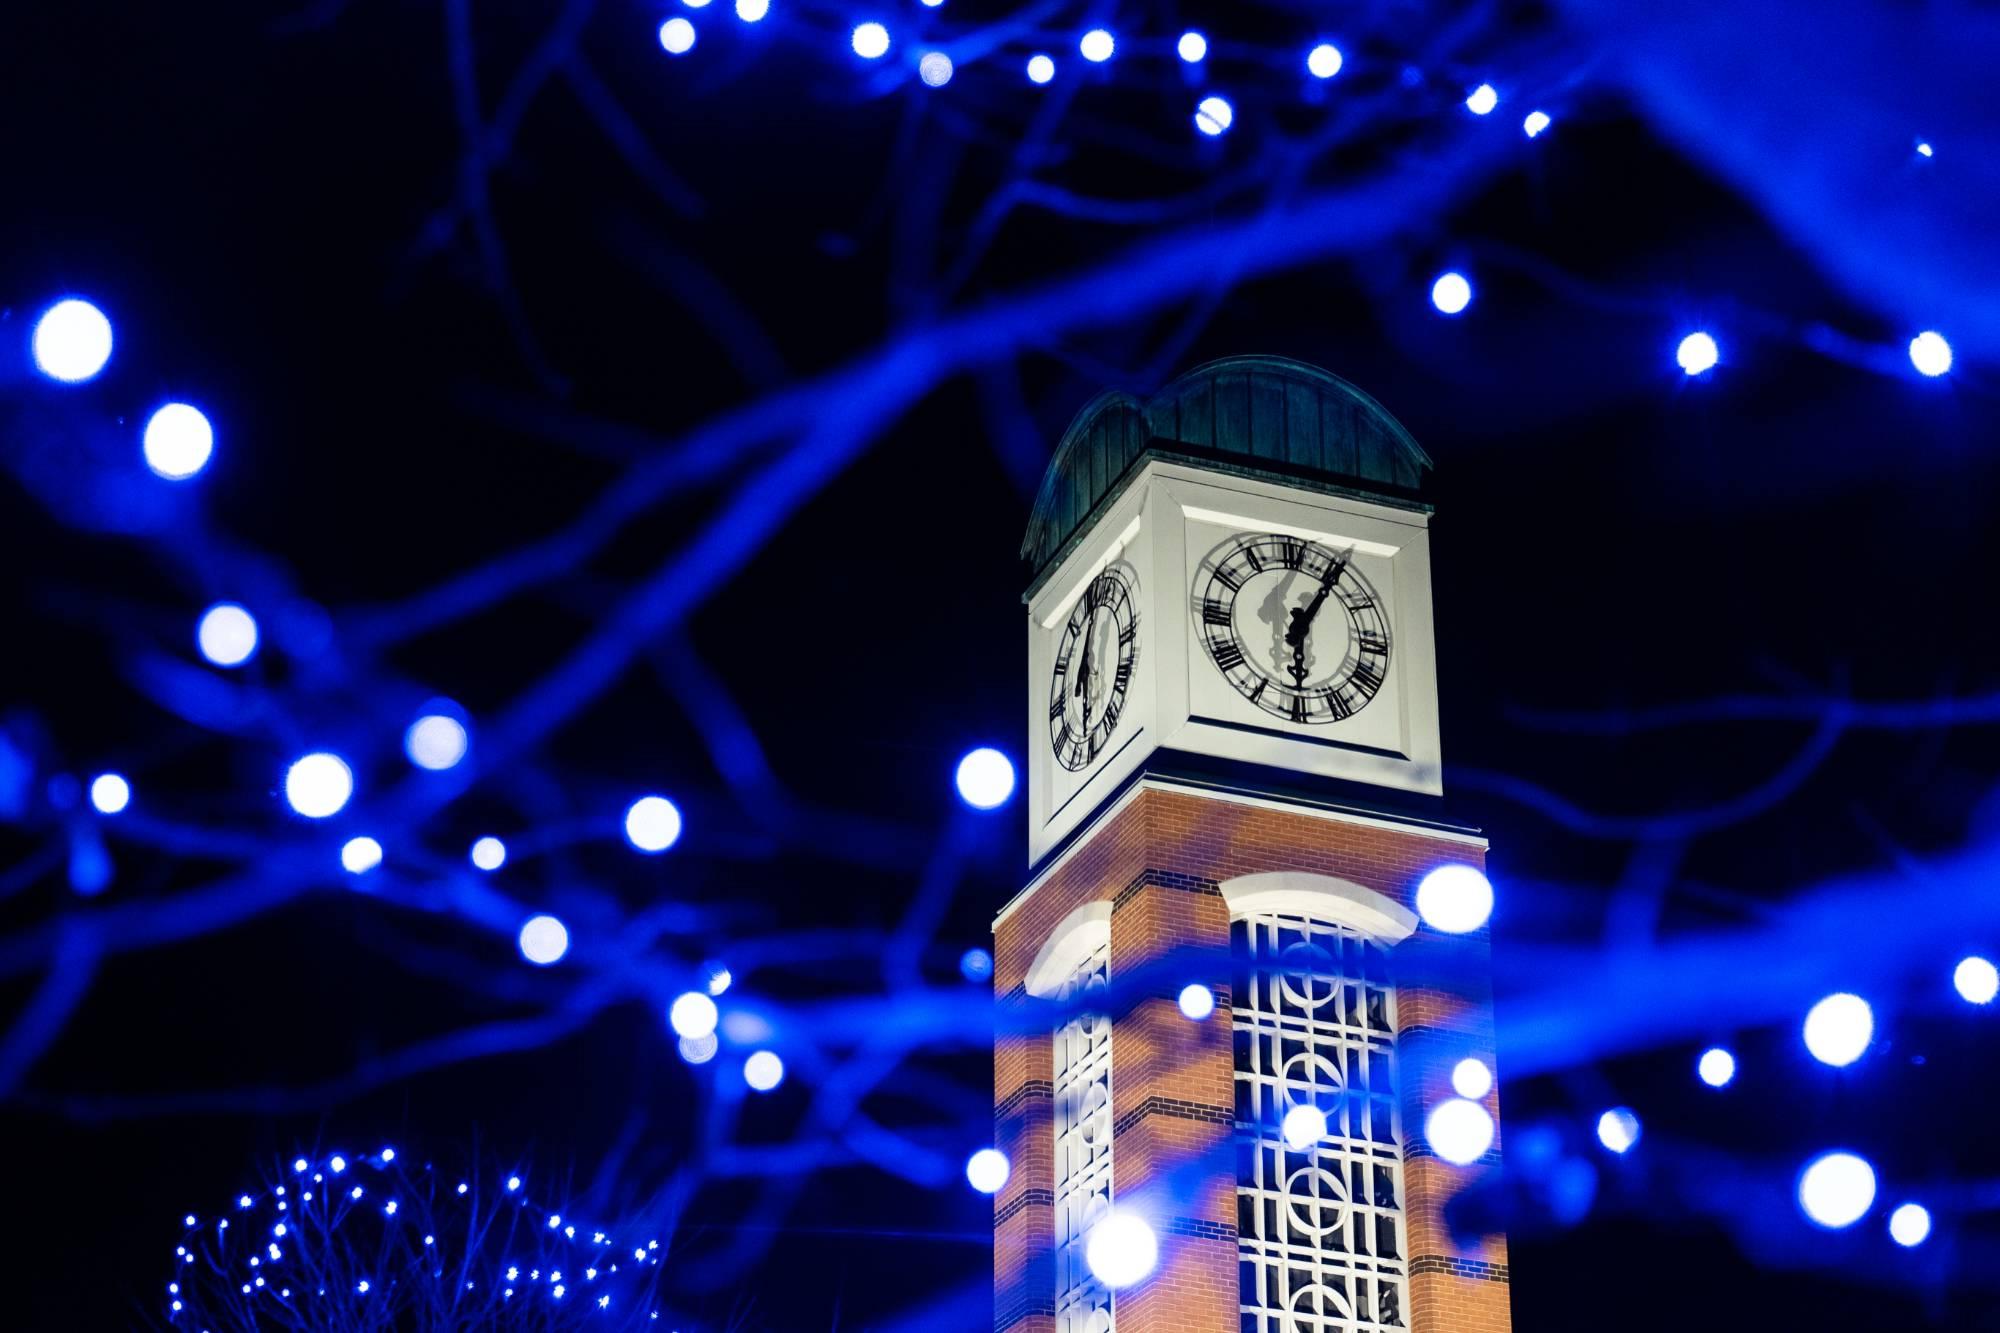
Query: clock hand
1302 618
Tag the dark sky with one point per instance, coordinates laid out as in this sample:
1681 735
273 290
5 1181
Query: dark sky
247 198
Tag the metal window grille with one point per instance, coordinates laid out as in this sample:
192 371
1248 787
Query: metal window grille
1321 1245
1083 1145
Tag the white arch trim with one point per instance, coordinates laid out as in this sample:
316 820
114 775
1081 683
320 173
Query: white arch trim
1323 897
1081 934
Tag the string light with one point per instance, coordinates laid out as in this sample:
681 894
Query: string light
226 635
1096 46
1455 898
1717 1067
985 778
358 856
1459 1131
716 978
764 1071
489 853
752 11
987 1170
692 1014
1041 69
110 793
72 341
1213 115
1697 354
1837 1189
1618 1129
1121 1249
870 41
652 824
544 940
1910 1225
1534 123
1976 980
1324 61
1930 354
1197 1001
1838 1029
178 441
319 785
677 36
437 740
935 69
1192 47
699 1050
1923 148
1471 1079
975 964
1481 100
1303 1126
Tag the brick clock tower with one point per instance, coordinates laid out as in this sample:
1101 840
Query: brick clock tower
1234 784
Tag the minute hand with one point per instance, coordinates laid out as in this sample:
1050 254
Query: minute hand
1302 618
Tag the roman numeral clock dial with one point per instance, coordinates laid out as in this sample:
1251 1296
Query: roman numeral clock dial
1293 626
1093 670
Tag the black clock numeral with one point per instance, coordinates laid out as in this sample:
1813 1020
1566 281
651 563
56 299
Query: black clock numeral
1367 679
1257 690
1214 612
1226 654
1255 561
1122 678
1372 643
1228 578
1291 552
1128 633
1297 707
1056 705
1336 706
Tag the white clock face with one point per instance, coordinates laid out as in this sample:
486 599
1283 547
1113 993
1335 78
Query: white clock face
1293 626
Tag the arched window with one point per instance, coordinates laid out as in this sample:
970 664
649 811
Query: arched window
1320 1227
1083 1140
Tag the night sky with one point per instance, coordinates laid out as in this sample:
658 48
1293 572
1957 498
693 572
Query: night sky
249 197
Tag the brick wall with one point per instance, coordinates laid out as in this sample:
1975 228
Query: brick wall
1159 861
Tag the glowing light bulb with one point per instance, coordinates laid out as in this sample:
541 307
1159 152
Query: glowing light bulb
1930 354
1040 69
699 1050
652 824
752 11
985 778
513 1184
870 41
1455 898
1923 149
1302 1127
975 965
692 1014
1451 293
1192 47
987 1170
1717 1067
358 856
934 69
72 341
336 1164
178 441
1839 1028
1697 354
319 785
1618 1129
226 635
1482 100
1976 980
489 853
1121 1249
1459 1131
1213 115
1324 61
1197 1001
109 793
1534 123
1910 1225
435 741
764 1071
715 978
677 36
1471 1079
1837 1189
1097 46
544 940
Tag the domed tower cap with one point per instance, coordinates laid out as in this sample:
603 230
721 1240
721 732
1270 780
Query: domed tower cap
1260 416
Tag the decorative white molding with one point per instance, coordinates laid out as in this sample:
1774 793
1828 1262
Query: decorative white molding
1322 898
1081 934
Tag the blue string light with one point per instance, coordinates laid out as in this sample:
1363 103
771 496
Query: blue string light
71 343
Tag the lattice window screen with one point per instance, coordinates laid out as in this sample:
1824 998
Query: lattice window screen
1083 1146
1320 1230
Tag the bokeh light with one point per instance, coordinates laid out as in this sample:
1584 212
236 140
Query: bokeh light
1303 1126
1197 1001
752 11
1482 99
693 1014
1470 1078
1041 69
1451 293
715 978
1192 47
699 1050
110 793
1717 1067
358 856
1455 899
1458 1130
489 853
226 634
1976 980
934 69
1910 1225
72 341
1930 354
1837 1189
544 940
870 41
975 964
1618 1129
435 741
1097 46
677 36
319 785
1213 115
1534 123
987 1170
763 1071
1839 1028
652 824
985 778
1121 1249
178 441
1697 354
1324 61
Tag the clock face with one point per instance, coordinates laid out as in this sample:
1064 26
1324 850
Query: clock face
1293 626
1093 670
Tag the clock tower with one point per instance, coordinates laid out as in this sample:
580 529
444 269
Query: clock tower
1222 1023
